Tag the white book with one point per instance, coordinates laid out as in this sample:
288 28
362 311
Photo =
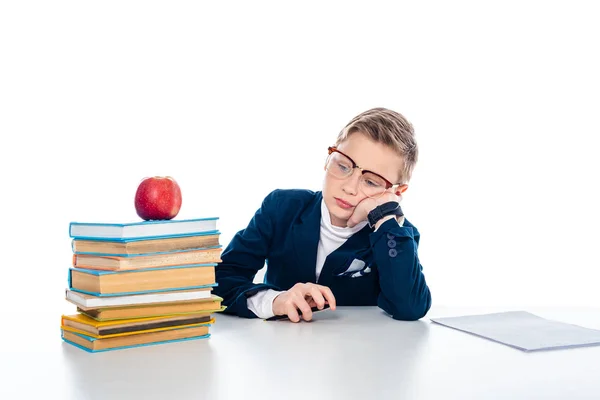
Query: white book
142 230
88 301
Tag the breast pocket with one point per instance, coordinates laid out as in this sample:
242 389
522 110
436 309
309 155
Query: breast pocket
356 288
356 268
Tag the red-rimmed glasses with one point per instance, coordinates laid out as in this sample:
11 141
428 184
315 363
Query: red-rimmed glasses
342 166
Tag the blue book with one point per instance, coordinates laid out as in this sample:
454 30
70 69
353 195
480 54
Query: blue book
152 253
132 247
140 281
143 230
122 262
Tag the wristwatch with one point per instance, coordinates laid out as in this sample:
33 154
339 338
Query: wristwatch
389 208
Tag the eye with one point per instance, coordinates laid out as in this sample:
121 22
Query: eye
372 183
344 168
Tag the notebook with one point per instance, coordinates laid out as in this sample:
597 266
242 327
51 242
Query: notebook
142 230
523 330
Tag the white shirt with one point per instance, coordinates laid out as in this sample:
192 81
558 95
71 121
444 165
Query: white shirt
330 238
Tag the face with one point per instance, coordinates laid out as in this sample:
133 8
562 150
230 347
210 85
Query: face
342 195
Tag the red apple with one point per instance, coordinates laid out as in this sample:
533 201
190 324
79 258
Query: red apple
158 198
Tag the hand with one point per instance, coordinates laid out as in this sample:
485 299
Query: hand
363 208
303 296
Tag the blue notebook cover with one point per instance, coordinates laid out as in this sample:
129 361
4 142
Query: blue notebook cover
127 347
139 239
142 229
102 272
88 253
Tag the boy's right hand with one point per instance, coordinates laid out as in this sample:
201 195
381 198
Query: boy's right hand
303 296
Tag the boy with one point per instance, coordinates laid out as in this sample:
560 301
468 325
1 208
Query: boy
348 245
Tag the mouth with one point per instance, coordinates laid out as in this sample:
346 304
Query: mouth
343 204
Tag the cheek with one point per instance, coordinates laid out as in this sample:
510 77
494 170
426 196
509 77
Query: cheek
329 184
360 197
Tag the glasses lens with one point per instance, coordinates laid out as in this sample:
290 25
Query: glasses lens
339 165
372 185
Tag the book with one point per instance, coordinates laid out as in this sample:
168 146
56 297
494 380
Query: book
127 262
143 229
137 246
158 310
80 323
92 344
87 301
139 281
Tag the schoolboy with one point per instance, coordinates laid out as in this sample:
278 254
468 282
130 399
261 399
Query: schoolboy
347 245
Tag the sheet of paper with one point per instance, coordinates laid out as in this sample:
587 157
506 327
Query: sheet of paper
523 330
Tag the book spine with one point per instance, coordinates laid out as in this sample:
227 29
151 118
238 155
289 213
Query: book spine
145 291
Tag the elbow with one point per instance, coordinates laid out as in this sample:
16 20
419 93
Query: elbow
412 314
407 311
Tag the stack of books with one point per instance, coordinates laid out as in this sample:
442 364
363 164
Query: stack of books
141 283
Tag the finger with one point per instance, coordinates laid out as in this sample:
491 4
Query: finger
292 312
357 216
311 302
317 297
388 196
298 288
328 294
354 220
304 308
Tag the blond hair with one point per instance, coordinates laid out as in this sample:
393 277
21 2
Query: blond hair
389 128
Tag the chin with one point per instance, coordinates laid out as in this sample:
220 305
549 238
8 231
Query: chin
339 221
336 213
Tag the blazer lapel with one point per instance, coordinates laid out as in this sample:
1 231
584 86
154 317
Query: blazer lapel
305 238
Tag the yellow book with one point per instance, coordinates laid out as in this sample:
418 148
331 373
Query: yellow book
101 283
144 261
120 247
91 344
85 325
145 312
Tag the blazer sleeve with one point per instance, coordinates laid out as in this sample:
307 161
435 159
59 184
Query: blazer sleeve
243 258
404 292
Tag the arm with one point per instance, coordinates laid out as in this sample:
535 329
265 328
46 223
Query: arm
404 292
243 258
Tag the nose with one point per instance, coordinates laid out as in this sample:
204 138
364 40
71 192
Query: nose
350 185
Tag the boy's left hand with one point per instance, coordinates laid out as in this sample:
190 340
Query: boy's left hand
363 208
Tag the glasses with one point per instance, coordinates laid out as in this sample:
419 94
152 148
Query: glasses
341 166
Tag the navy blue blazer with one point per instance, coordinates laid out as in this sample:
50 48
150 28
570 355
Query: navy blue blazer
284 233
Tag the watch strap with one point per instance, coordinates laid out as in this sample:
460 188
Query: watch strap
385 209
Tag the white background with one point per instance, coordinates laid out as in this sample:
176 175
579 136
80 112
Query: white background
236 99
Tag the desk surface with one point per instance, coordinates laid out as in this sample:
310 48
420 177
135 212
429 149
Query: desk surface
350 353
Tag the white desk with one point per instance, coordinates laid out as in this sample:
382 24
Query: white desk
351 353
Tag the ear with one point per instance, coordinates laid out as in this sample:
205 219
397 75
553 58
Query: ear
401 189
